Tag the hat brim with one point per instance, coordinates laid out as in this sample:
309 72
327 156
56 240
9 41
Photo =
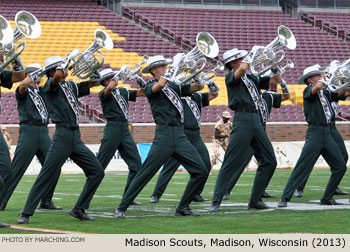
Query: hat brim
312 73
53 65
149 67
111 74
240 54
30 69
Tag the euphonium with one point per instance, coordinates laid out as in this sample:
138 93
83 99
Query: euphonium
27 25
206 46
87 63
266 57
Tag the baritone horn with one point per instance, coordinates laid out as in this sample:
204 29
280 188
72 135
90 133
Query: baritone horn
27 25
267 57
87 63
206 46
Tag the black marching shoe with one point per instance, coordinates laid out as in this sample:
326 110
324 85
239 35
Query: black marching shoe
2 207
49 206
4 225
226 196
267 196
119 213
298 193
338 191
214 207
330 201
199 198
80 214
135 203
154 199
186 211
23 219
257 205
282 203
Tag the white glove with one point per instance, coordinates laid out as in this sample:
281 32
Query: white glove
36 74
329 76
276 71
250 56
74 54
177 59
140 81
121 73
197 81
213 88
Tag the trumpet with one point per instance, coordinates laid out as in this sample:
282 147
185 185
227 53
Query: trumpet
131 72
27 25
341 77
206 46
267 57
211 73
86 63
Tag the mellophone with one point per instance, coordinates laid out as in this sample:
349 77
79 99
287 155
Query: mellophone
264 58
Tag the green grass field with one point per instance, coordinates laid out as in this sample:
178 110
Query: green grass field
149 218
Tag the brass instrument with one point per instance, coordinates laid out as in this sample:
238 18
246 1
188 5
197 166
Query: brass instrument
131 72
27 25
341 78
206 46
87 63
211 73
267 57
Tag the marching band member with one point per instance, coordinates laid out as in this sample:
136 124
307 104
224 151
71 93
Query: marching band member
319 137
170 139
270 99
192 120
7 78
116 136
62 102
221 137
247 130
34 139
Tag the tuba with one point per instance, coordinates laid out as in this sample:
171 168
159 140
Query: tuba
131 72
87 63
341 78
206 46
27 25
267 57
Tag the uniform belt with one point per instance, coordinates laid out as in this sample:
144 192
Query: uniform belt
248 110
171 124
192 129
115 119
66 126
36 123
320 124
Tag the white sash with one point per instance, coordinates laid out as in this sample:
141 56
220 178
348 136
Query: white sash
39 104
195 109
254 94
326 106
123 104
336 108
174 99
72 100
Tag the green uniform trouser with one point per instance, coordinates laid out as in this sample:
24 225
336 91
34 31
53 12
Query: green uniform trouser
170 167
168 142
319 141
117 136
5 166
340 142
32 141
247 131
66 143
